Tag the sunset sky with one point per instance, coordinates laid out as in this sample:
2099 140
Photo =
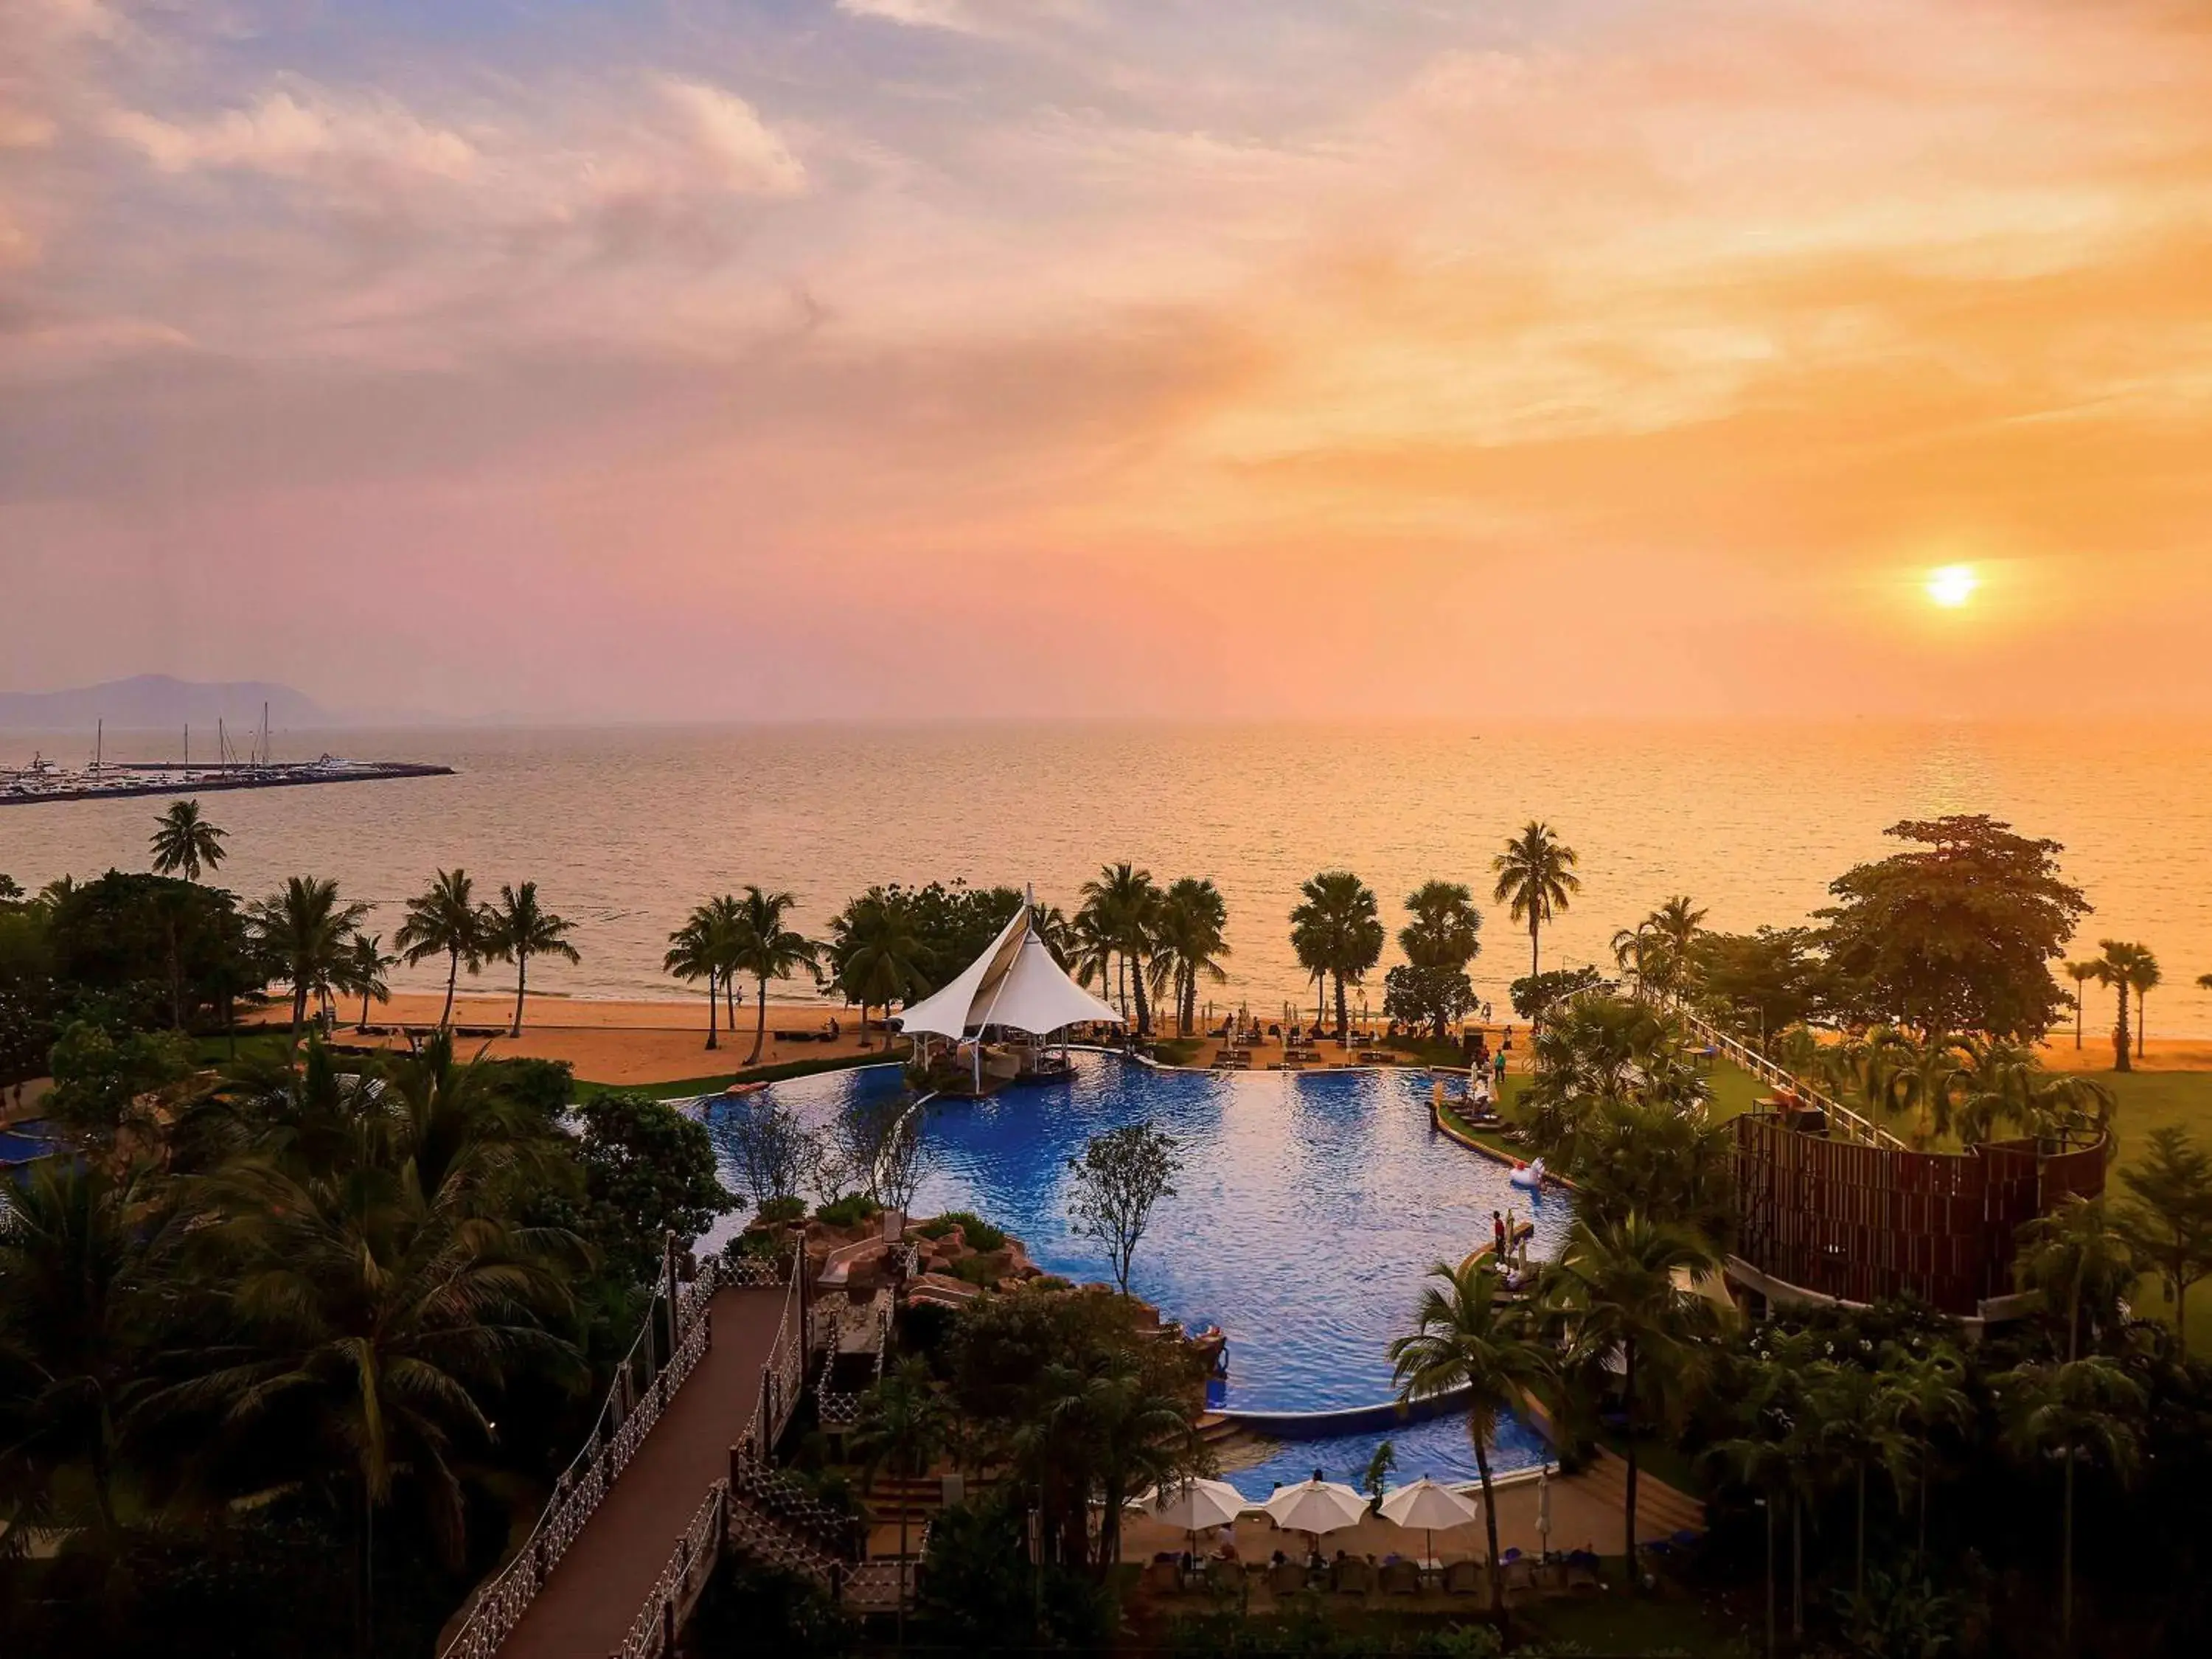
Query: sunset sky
782 358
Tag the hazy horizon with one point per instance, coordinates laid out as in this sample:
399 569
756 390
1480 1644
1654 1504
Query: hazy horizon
853 359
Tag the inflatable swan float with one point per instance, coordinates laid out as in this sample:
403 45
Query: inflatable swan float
1528 1175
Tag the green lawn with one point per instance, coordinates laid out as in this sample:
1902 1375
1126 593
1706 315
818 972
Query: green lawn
1612 1622
2150 1100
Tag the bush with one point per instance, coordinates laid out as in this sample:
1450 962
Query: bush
783 1210
979 1234
544 1085
979 1593
850 1211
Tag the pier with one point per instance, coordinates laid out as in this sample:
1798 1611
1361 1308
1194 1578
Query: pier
42 781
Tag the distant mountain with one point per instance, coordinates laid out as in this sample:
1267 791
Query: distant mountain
157 702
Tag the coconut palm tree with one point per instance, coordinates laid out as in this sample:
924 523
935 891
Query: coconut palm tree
2115 970
381 1313
1614 1290
185 842
1339 919
1536 879
2144 977
1125 905
1921 1394
2083 1409
518 929
2081 1263
2168 1216
696 951
305 934
1466 1338
876 956
362 972
1103 1415
446 921
83 1254
1189 946
768 950
1675 925
2081 973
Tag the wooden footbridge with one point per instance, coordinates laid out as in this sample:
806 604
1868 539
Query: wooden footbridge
677 1475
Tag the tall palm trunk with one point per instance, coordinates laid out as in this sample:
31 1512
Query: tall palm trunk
1628 1409
299 1008
363 1026
521 985
2142 1026
1343 1016
713 1008
2122 1061
760 1025
453 981
1137 985
1534 960
1490 1526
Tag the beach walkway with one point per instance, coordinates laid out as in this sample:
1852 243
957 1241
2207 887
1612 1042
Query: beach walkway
587 1606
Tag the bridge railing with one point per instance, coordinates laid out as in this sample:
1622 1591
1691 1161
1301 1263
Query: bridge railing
626 1417
1854 1126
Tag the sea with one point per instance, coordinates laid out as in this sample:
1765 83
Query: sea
625 828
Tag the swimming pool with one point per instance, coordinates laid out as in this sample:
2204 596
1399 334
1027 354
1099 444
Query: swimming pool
1307 1209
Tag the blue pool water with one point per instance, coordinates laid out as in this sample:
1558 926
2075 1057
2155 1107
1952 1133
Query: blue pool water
23 1141
1307 1210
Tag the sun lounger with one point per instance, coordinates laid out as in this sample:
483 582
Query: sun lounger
1162 1577
1354 1578
1463 1578
1401 1578
1288 1579
1521 1575
1582 1574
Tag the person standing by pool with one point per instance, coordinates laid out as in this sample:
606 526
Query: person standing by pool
1498 1236
1498 1067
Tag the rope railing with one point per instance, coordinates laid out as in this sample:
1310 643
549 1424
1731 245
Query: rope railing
633 1409
682 1581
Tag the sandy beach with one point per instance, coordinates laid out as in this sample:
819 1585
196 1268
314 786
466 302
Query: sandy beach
633 1044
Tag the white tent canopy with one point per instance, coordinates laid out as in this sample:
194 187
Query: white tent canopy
1015 984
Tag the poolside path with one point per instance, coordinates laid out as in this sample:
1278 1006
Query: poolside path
587 1607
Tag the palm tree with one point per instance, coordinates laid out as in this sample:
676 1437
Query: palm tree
1104 1415
2079 1408
2081 973
380 1312
1338 920
1921 1394
184 840
768 950
1615 1290
696 951
361 971
1188 935
306 933
1125 907
1536 878
1677 923
518 928
2144 977
1855 1434
446 921
2080 1263
902 1428
876 956
2168 1217
2116 970
82 1253
1466 1338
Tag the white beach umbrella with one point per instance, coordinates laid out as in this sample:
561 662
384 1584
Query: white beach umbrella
1427 1505
1317 1506
1195 1505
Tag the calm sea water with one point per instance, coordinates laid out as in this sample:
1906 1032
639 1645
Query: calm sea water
624 829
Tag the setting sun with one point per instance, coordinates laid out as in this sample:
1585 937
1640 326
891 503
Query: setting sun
1952 585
